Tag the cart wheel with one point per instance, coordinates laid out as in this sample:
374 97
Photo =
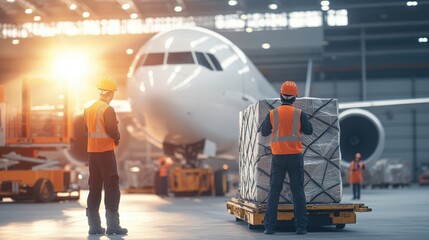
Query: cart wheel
251 227
43 190
238 219
340 226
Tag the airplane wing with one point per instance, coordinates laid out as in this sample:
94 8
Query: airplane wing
396 104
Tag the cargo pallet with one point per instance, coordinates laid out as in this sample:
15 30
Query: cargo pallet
338 214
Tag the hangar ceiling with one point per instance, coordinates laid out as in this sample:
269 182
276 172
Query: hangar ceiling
390 36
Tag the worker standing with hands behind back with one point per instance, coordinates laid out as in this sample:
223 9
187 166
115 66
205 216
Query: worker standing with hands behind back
356 179
101 126
285 124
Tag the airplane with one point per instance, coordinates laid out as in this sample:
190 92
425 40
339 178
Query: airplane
186 87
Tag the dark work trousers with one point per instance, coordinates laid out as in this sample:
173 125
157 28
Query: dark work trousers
103 172
163 186
293 164
356 191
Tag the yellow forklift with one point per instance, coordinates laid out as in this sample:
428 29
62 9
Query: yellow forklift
24 174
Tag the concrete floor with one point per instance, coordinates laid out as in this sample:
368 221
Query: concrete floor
397 214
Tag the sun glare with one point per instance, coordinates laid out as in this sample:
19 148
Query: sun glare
73 67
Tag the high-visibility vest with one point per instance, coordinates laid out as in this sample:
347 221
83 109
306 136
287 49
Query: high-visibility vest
286 137
356 172
98 140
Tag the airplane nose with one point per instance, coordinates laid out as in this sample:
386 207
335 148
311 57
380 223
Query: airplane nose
163 99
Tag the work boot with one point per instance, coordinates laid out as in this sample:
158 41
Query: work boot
94 222
112 218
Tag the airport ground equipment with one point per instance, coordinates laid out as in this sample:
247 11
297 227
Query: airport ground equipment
197 181
338 214
42 124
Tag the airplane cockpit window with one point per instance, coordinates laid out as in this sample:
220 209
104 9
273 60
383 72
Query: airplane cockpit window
215 61
140 61
180 58
202 60
154 59
208 60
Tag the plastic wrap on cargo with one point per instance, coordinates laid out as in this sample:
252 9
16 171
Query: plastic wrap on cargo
321 150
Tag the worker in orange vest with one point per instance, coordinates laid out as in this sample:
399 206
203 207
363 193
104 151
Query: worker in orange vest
101 126
286 125
356 179
164 165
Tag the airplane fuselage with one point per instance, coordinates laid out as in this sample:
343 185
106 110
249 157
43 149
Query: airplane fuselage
188 85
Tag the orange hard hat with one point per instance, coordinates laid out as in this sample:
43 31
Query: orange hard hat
106 84
289 88
357 155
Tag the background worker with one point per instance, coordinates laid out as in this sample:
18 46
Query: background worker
164 165
103 135
356 179
285 124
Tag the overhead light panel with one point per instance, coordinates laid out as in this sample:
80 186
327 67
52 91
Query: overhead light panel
134 15
249 29
412 3
72 6
178 8
37 18
126 6
423 40
15 41
273 6
28 11
232 2
129 51
266 46
11 0
85 14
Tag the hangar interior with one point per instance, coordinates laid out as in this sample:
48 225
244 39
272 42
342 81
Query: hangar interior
355 50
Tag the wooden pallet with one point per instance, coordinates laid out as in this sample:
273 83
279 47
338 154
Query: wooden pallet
338 214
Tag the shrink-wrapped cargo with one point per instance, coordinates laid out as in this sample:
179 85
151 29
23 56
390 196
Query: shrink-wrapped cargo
321 150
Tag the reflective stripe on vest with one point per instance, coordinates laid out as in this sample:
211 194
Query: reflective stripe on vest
99 133
98 139
286 137
295 136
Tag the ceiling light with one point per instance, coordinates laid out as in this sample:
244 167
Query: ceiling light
28 11
325 3
134 16
72 6
249 29
266 46
126 6
423 40
273 6
325 7
243 16
178 8
85 14
37 18
130 51
232 2
412 3
11 0
15 41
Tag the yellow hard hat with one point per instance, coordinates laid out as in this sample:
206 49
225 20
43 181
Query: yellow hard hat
107 84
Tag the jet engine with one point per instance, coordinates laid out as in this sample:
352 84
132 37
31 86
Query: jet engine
360 131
